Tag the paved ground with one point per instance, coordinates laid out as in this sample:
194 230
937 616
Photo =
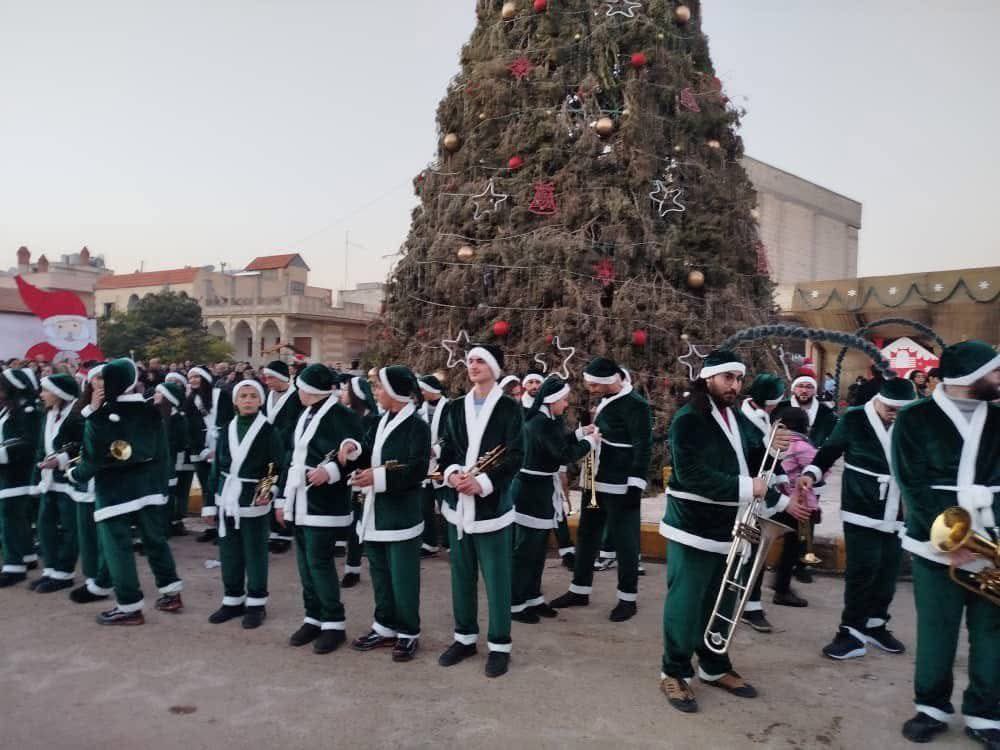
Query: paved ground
578 681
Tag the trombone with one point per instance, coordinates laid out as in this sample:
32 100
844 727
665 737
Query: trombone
753 536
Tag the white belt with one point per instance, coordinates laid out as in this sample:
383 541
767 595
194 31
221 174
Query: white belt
229 500
888 490
978 500
699 499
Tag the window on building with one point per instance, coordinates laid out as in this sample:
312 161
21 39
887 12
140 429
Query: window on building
133 300
109 308
297 287
303 344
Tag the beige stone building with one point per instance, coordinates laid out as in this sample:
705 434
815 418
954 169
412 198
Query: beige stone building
74 272
266 308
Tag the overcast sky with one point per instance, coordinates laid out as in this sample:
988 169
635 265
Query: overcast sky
200 131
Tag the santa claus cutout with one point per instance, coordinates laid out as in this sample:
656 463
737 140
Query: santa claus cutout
70 334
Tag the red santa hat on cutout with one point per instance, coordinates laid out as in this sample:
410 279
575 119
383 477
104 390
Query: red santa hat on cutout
50 306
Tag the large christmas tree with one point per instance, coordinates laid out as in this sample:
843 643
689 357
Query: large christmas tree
588 187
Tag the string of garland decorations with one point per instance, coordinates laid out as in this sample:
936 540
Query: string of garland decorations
916 325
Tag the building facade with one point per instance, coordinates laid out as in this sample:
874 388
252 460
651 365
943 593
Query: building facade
74 272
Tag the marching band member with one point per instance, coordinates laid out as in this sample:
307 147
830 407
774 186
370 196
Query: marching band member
358 397
20 427
713 447
872 513
316 500
208 410
432 411
625 422
947 450
283 409
538 493
125 452
249 451
184 471
62 433
168 397
480 512
763 396
396 455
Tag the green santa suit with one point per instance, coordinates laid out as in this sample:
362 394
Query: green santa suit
712 452
947 452
870 507
209 416
129 491
538 492
247 451
20 429
369 423
177 444
392 522
625 422
320 514
432 493
479 526
283 409
61 433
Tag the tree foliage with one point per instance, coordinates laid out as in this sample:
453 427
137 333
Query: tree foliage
165 325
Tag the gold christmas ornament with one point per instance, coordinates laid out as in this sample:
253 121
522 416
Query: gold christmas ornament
465 252
696 279
682 14
660 36
577 37
713 144
509 10
626 112
755 214
452 142
605 127
678 149
482 115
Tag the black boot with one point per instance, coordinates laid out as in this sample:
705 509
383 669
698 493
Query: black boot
225 613
455 653
10 579
623 611
990 738
497 663
208 535
54 584
350 580
789 599
329 641
527 616
254 617
37 582
569 560
305 634
570 599
83 595
279 546
545 610
922 728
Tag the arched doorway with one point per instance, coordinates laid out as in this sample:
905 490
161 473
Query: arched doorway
242 341
270 337
217 329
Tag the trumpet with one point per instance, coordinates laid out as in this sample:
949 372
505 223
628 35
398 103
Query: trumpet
806 538
753 536
483 464
590 475
65 448
951 531
120 450
262 493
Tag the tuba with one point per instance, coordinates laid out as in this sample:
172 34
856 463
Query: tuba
753 536
951 531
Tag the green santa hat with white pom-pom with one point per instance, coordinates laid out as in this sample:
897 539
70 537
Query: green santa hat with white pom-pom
62 385
316 380
897 392
766 390
967 362
721 361
553 389
400 383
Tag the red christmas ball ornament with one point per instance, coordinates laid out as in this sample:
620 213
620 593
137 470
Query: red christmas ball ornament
501 328
515 162
639 60
421 333
541 6
639 337
549 338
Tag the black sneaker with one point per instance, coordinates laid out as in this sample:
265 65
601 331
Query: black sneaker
37 582
623 611
569 560
789 599
570 599
883 638
208 535
329 641
83 595
922 728
254 617
371 641
350 580
225 613
455 653
405 649
803 575
429 551
757 621
170 603
545 610
307 633
11 579
49 585
990 738
497 663
279 546
679 694
117 617
527 616
845 646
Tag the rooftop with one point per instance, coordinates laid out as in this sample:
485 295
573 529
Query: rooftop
275 262
149 278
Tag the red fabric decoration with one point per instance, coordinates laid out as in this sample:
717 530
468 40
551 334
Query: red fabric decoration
515 162
501 328
520 68
638 60
549 338
639 337
605 272
544 202
688 101
541 5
